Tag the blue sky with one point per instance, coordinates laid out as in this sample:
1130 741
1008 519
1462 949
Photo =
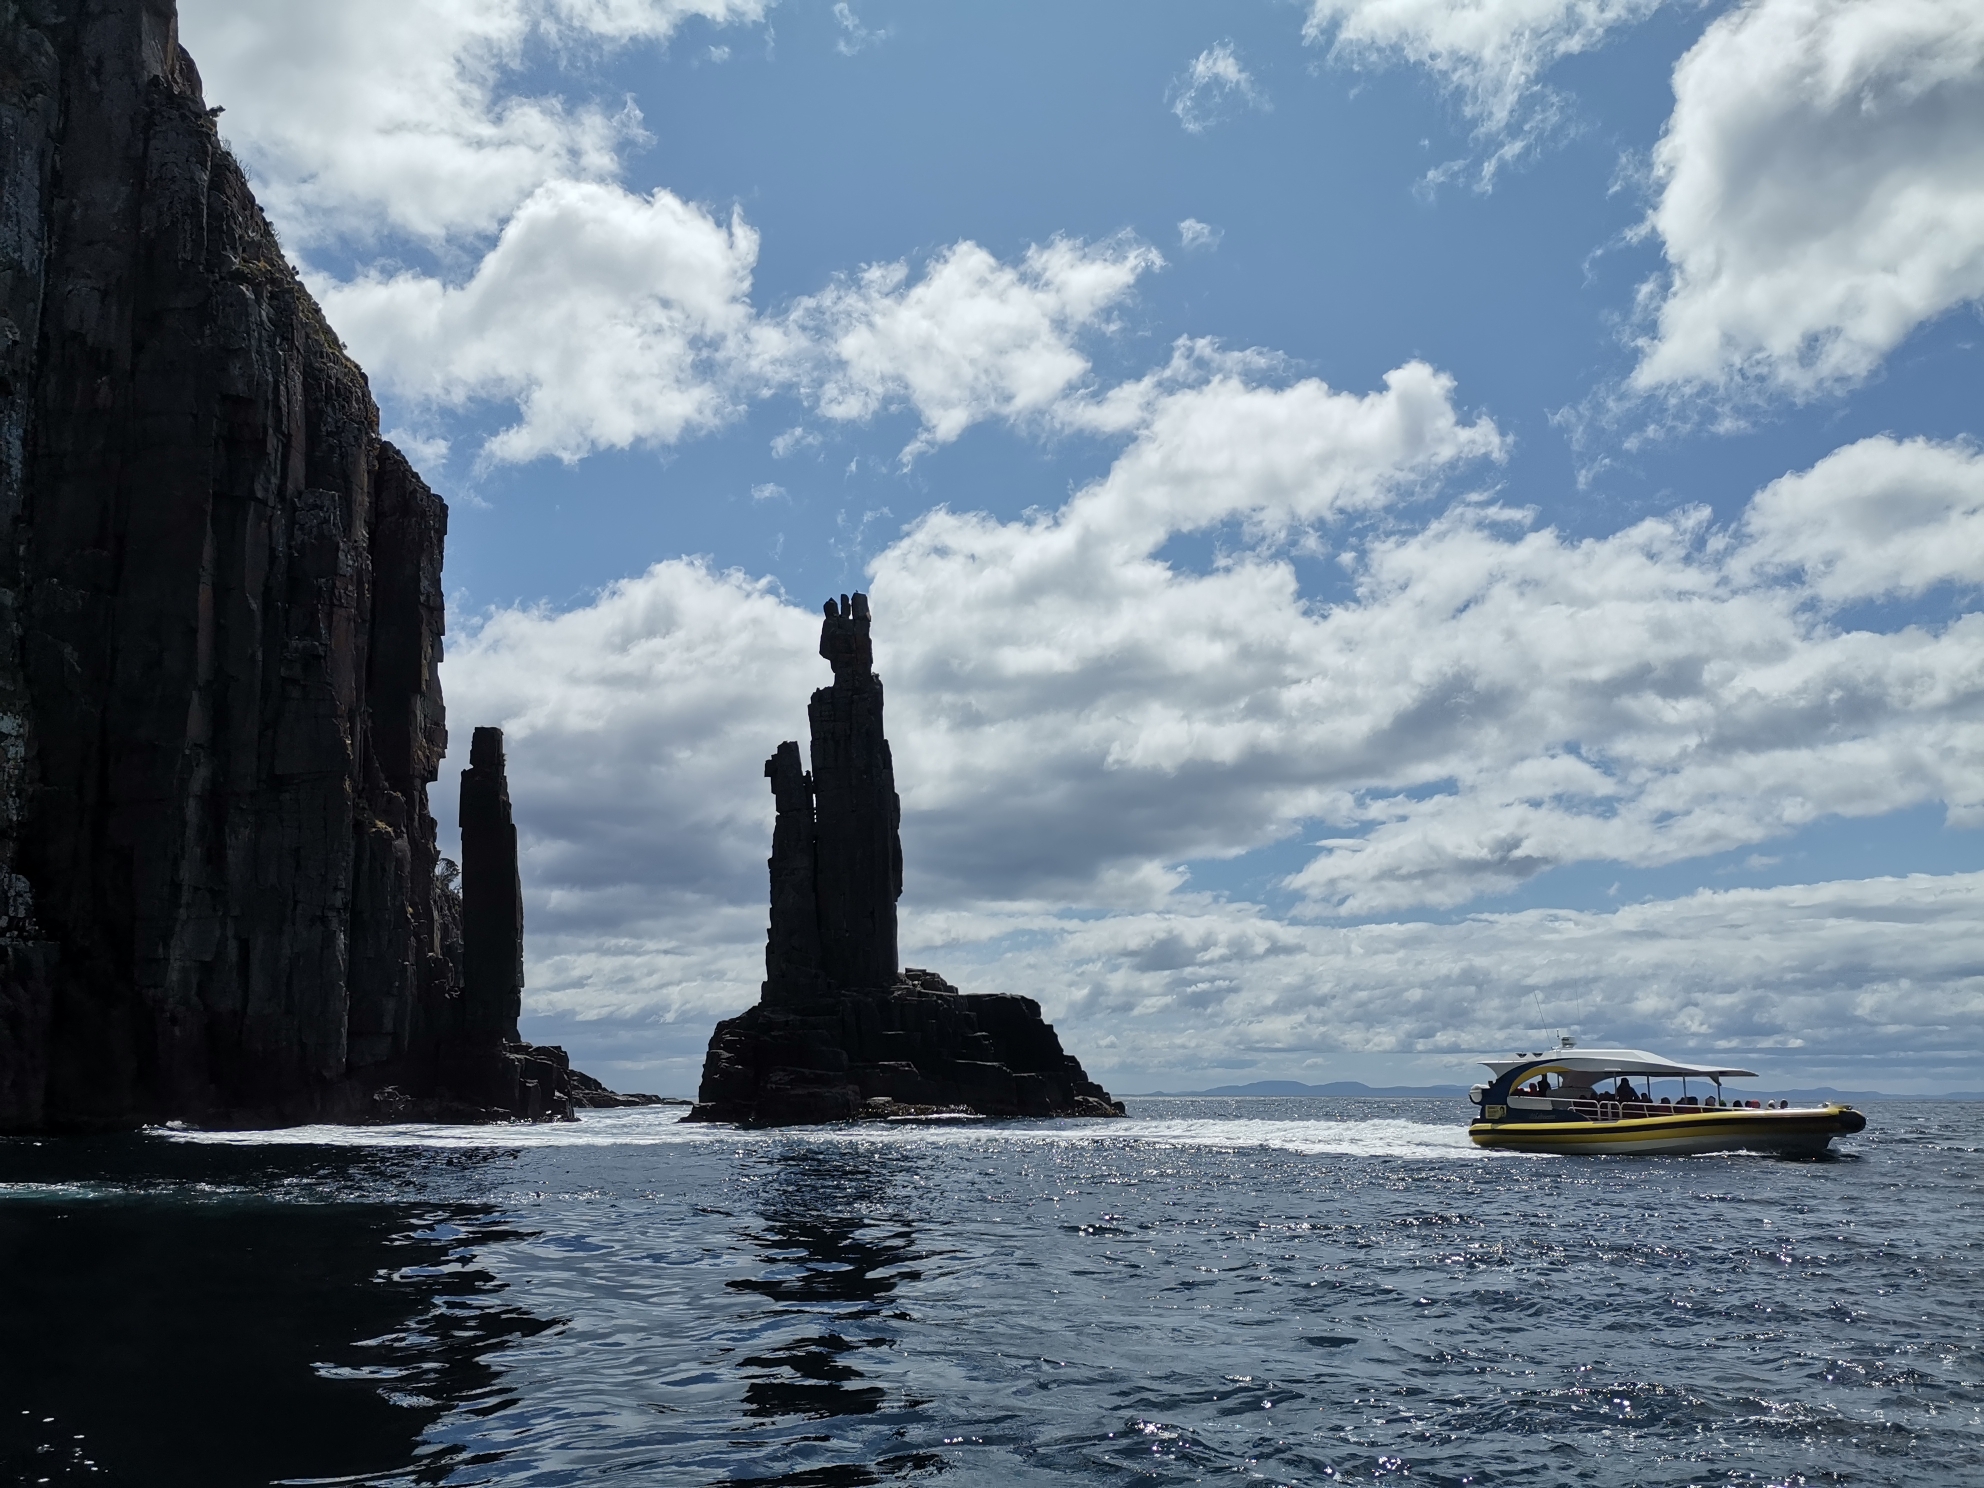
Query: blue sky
1388 519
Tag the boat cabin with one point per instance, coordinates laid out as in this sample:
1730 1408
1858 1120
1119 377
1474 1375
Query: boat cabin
1599 1084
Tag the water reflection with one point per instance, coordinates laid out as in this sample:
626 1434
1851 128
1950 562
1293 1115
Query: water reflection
250 1326
836 1246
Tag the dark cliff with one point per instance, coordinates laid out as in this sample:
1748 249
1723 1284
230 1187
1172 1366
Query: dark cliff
839 1033
220 618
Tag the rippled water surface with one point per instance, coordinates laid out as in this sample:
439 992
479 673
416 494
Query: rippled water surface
1278 1291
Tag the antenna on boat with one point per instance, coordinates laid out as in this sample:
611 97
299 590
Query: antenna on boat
1565 1041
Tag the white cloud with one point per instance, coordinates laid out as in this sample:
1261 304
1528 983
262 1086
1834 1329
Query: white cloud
1278 457
971 339
1491 53
394 114
792 440
1075 718
645 711
1821 976
428 452
1821 191
610 319
1495 701
607 317
1194 235
1214 78
854 36
1880 519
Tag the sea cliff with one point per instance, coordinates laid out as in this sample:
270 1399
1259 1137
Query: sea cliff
220 618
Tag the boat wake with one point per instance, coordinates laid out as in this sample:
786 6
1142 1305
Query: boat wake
664 1126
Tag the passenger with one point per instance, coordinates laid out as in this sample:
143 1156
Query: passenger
1666 1104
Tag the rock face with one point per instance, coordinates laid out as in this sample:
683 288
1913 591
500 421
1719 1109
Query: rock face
220 616
838 1032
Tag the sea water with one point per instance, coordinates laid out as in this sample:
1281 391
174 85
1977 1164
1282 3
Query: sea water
1264 1291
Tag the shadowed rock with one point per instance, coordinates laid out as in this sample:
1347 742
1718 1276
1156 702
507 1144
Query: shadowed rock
492 897
839 1033
220 618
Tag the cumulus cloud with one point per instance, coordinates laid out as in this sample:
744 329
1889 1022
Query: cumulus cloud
1215 79
1821 191
1808 980
608 318
612 319
1492 54
1881 519
396 114
1495 700
1274 456
1078 720
972 339
637 721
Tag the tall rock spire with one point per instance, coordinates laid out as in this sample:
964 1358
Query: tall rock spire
492 897
836 863
792 948
840 1032
857 814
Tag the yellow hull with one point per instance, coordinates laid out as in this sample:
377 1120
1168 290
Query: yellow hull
1804 1133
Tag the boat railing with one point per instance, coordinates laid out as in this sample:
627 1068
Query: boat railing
1612 1110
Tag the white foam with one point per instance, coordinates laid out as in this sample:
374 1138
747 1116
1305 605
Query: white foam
663 1126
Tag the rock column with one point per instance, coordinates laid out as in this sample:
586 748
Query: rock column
492 898
792 946
858 816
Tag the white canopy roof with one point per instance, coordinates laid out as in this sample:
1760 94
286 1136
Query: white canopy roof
1611 1062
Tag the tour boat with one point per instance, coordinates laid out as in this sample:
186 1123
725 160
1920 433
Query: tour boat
1548 1101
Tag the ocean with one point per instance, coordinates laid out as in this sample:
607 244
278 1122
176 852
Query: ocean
1211 1290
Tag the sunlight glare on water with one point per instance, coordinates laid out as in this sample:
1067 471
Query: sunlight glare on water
1273 1291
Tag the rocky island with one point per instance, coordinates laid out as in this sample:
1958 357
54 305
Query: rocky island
839 1031
221 895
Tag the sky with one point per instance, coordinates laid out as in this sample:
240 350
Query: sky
1397 528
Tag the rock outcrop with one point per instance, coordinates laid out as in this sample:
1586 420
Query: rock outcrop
838 1032
220 617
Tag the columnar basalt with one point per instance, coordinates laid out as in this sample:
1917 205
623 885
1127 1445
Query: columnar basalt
220 617
839 1033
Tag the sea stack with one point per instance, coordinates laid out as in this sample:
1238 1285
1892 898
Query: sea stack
839 1031
492 897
